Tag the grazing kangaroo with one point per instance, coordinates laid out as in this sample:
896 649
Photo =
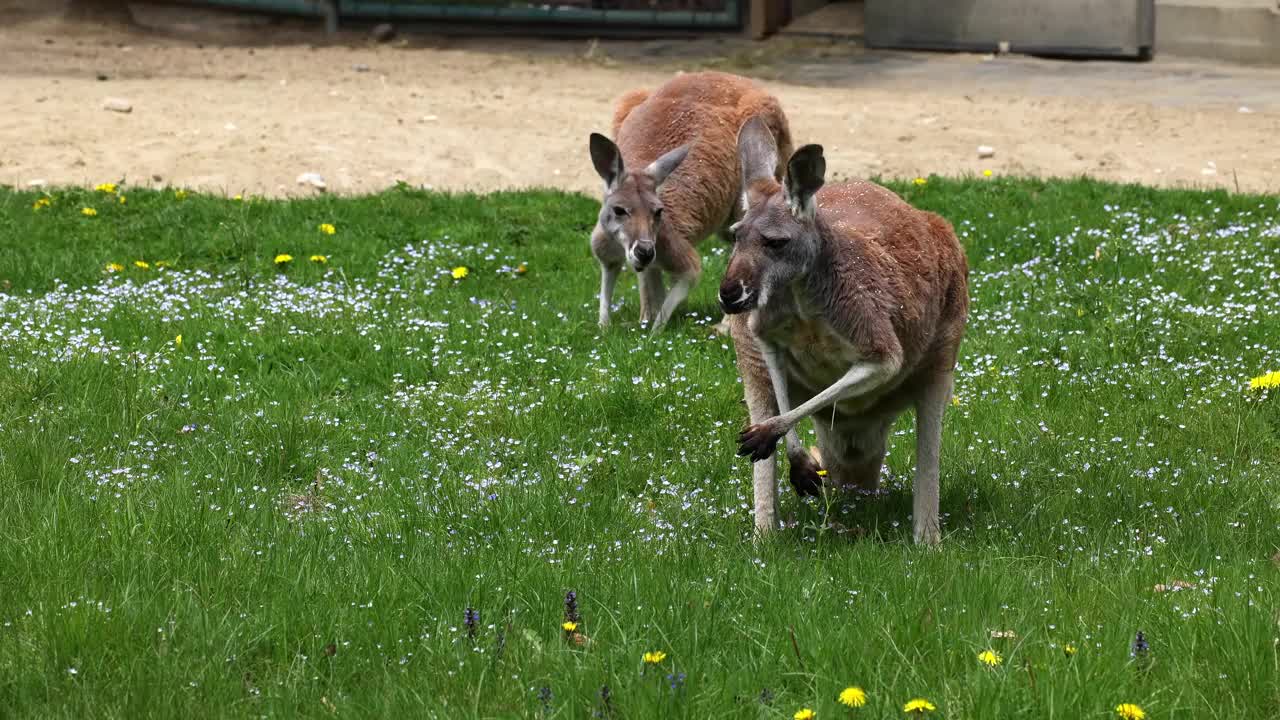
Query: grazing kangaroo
671 180
847 304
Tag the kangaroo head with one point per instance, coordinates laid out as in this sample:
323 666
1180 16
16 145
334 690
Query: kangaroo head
632 210
777 239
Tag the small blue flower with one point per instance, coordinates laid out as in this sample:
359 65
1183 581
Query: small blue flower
1140 646
571 607
676 681
471 618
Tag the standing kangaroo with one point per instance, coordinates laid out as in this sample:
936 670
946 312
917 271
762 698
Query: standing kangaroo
671 180
842 299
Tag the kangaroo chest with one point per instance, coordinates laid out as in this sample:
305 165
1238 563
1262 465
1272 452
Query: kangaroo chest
814 353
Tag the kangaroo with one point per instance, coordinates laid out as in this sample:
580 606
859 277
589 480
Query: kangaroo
847 304
672 179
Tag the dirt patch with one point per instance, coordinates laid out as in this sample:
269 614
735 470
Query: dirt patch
233 103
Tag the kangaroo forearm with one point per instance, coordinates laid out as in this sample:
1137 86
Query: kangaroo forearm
860 378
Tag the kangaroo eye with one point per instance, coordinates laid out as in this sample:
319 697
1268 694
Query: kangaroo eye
657 214
619 211
776 243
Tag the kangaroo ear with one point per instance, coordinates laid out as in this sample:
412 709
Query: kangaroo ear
662 167
806 172
757 155
607 159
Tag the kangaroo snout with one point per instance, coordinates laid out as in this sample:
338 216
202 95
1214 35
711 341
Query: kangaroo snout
736 297
644 255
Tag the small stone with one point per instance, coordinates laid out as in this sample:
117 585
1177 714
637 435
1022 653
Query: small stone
360 67
102 77
1208 171
1244 110
383 32
229 126
38 182
119 105
312 179
986 151
156 177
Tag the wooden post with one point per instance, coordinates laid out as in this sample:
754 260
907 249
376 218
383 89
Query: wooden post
765 17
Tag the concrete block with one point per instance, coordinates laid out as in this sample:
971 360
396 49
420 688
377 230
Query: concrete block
1087 28
1245 31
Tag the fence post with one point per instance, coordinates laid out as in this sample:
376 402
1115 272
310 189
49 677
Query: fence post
329 9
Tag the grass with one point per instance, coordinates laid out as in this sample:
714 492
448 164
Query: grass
289 513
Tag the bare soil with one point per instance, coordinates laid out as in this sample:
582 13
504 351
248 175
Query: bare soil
235 103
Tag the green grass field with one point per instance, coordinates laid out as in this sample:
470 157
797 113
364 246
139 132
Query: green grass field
288 512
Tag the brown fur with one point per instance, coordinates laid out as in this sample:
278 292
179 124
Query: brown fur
853 292
892 279
626 104
704 111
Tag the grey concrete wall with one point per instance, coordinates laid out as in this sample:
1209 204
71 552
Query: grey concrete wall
1234 30
1074 27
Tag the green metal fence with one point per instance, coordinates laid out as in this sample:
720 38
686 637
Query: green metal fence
602 14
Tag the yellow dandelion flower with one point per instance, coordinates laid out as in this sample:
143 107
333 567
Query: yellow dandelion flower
986 173
920 181
123 199
521 269
853 697
114 267
88 212
284 259
460 272
180 194
1069 649
142 264
990 658
1268 381
163 264
1129 711
822 472
805 714
41 203
320 259
569 626
177 342
328 228
955 401
238 198
654 657
108 188
918 706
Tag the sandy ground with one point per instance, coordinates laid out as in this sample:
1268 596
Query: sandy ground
234 104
